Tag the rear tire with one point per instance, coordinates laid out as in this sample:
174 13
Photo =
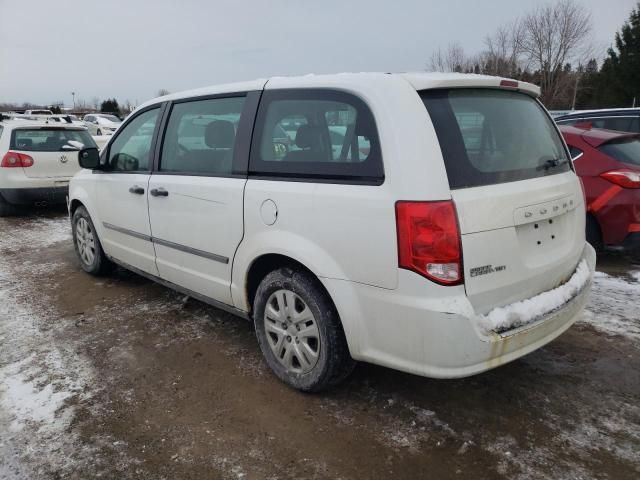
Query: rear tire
7 209
87 244
299 331
594 234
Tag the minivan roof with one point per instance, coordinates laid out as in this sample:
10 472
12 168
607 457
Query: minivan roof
418 80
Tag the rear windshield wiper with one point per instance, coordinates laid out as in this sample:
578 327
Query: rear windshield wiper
552 163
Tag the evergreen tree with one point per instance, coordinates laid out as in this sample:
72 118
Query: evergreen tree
620 74
110 105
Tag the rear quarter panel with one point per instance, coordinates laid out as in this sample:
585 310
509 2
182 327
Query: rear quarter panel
347 231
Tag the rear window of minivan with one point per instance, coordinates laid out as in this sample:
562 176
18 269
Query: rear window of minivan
490 136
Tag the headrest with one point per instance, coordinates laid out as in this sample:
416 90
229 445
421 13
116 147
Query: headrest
308 136
220 134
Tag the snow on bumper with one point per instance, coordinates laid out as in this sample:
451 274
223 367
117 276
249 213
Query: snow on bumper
531 309
440 337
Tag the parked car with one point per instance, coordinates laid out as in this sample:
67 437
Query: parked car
101 123
39 112
608 163
343 254
37 161
620 119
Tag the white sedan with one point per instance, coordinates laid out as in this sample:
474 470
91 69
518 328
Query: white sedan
101 123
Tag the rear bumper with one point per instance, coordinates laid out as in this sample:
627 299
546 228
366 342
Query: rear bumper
438 337
35 196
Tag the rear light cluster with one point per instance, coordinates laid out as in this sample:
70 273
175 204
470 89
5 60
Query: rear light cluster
429 240
624 178
15 159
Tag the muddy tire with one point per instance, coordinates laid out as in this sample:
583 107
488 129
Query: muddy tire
299 331
87 245
7 209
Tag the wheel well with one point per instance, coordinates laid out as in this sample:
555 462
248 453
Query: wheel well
74 206
268 263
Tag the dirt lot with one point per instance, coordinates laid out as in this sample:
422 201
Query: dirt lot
120 378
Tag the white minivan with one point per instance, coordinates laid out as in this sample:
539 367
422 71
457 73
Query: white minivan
431 223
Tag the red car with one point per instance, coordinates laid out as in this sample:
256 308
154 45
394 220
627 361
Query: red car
608 163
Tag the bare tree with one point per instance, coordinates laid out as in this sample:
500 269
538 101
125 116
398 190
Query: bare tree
452 59
162 92
503 54
95 103
555 36
127 107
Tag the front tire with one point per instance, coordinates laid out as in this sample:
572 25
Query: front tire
299 331
87 245
98 132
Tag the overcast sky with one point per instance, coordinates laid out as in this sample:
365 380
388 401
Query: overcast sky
132 48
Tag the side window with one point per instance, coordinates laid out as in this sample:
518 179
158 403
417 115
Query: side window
472 128
635 125
316 134
200 136
131 149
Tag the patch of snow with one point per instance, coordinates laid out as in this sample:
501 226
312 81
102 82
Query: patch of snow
530 309
613 305
40 379
37 233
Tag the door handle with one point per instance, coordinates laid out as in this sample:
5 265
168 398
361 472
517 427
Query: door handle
159 192
137 190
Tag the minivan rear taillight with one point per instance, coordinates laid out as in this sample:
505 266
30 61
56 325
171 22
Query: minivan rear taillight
429 240
15 159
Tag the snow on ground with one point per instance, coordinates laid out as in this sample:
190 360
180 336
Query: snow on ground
613 305
39 379
42 382
37 232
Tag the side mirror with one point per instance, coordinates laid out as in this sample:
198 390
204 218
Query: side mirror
89 158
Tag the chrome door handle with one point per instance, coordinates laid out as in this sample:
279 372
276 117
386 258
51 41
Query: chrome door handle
137 190
159 192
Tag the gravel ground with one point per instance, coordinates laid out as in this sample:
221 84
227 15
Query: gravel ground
118 377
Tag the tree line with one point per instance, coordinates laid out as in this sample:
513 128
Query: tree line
109 105
550 46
